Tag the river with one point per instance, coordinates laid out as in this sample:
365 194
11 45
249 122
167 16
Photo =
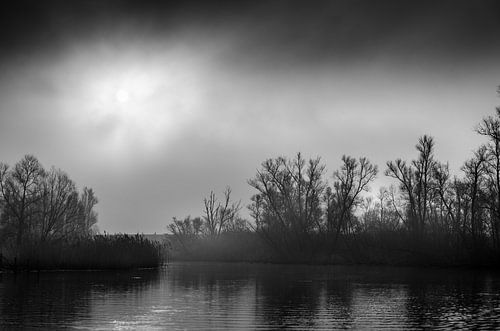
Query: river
251 296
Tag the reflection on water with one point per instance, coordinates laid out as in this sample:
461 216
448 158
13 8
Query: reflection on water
251 296
55 299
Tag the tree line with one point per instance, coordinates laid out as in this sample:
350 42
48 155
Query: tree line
298 210
47 223
40 205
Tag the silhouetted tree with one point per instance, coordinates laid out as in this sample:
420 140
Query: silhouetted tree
220 216
380 215
185 227
443 188
20 192
490 128
288 205
59 209
433 215
475 169
415 183
353 177
186 230
39 205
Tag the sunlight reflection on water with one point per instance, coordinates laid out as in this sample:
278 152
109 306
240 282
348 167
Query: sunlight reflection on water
251 296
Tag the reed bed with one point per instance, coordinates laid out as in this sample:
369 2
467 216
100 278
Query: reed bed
119 251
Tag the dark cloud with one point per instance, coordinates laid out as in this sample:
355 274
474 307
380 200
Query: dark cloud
287 31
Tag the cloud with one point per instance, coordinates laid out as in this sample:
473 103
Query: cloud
215 90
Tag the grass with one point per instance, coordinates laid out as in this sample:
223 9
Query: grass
98 252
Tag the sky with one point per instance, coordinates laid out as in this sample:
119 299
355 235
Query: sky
154 105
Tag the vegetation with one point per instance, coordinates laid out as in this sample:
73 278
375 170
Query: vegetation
96 252
430 217
45 223
298 215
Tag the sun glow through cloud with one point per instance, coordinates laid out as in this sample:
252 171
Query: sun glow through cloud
122 96
137 101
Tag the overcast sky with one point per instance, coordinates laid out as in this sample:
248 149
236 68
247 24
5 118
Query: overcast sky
154 106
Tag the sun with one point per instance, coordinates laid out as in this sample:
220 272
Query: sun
134 104
122 96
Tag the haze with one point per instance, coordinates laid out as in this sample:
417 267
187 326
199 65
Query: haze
154 106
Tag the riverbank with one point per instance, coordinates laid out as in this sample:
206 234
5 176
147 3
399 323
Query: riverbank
383 249
97 252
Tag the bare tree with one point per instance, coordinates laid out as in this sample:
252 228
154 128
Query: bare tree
353 177
19 189
182 227
59 207
219 216
490 128
41 205
424 166
256 208
288 205
185 230
474 169
415 182
444 192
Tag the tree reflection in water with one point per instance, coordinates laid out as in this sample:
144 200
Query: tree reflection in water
57 299
252 296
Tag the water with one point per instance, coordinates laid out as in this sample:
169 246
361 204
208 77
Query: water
252 296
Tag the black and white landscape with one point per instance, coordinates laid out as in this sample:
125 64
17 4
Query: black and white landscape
249 164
